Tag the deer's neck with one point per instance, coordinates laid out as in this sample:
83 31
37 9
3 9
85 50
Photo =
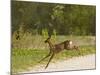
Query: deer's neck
50 44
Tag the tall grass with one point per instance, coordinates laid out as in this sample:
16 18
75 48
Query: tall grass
29 41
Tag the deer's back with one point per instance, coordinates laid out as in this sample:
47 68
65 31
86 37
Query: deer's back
59 47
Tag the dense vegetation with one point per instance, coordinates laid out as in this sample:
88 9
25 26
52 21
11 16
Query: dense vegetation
64 19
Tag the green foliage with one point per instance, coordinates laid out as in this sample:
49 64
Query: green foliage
66 19
45 33
54 36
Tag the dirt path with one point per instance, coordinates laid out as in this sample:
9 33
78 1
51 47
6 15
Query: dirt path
75 63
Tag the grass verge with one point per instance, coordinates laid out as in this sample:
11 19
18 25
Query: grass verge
22 59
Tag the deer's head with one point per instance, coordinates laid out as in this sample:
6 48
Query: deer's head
47 40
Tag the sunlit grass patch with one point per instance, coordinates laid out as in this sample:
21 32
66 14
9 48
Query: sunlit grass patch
22 59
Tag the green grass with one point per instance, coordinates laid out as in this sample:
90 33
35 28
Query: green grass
22 59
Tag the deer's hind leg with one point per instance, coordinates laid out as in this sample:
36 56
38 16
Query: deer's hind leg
46 56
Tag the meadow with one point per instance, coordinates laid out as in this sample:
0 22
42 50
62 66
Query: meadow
28 51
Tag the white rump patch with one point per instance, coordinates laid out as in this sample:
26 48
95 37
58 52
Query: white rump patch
70 42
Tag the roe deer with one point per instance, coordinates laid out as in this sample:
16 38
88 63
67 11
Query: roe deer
54 49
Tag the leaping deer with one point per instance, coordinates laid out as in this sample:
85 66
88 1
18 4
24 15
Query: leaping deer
54 49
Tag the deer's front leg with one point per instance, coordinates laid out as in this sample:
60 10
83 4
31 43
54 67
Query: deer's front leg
49 60
46 56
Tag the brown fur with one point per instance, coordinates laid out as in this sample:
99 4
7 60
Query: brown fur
54 49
